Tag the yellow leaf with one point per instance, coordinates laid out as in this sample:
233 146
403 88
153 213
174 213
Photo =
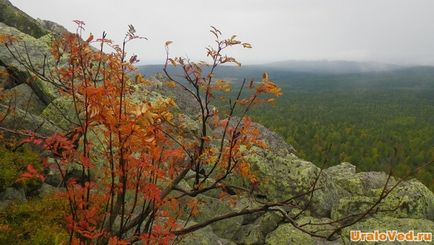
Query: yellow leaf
223 85
171 84
146 118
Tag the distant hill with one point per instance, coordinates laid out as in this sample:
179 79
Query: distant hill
313 75
332 66
295 66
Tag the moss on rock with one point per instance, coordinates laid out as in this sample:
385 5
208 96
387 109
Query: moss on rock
256 232
282 177
213 207
22 96
204 236
61 113
21 120
286 234
35 49
411 199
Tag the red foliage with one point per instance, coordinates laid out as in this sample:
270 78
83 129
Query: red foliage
132 154
31 173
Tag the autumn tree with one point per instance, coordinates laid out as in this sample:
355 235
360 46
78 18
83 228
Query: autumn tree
141 163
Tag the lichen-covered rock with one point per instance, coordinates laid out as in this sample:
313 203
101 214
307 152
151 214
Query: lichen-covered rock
11 195
23 97
341 182
286 234
11 76
282 177
35 49
20 119
213 207
256 232
46 190
374 180
322 241
351 205
341 170
331 190
204 236
245 202
414 199
142 93
61 113
274 141
318 226
45 90
410 199
12 16
51 26
389 223
185 101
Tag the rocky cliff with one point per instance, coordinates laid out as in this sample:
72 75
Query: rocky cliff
341 189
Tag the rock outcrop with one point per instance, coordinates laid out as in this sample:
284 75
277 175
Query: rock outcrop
28 95
14 17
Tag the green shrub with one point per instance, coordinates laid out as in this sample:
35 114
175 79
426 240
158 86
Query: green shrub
13 163
38 221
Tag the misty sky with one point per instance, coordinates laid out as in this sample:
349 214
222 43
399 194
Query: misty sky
392 31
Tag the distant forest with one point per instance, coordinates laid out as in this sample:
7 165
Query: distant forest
375 120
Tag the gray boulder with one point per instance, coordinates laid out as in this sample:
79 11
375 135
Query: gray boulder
61 113
204 236
52 27
14 17
46 189
23 97
36 49
213 207
21 119
410 199
11 194
256 232
286 234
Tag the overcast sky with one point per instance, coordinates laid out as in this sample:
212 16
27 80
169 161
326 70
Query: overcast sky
392 31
